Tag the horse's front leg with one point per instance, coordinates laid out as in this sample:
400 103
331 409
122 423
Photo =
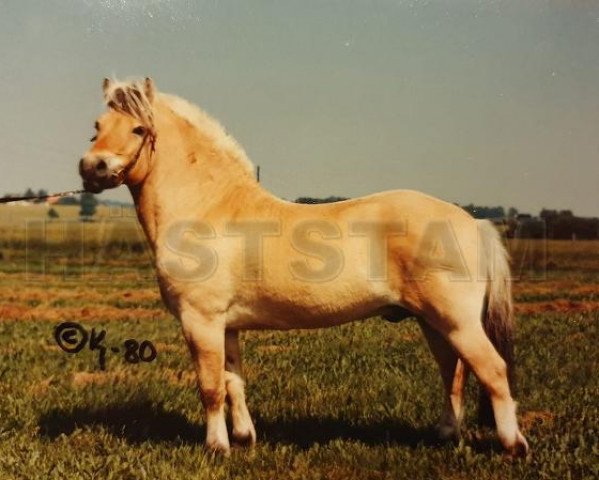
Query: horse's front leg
205 338
244 432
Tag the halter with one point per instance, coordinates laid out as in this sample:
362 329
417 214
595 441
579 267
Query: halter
150 133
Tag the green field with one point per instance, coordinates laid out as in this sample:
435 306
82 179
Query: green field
353 402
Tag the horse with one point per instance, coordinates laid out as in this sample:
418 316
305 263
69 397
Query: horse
231 256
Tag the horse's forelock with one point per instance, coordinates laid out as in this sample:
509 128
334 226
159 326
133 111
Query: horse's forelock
130 98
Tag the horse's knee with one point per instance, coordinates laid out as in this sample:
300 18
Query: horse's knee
212 398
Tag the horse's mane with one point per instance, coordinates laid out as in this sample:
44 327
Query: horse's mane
209 127
129 98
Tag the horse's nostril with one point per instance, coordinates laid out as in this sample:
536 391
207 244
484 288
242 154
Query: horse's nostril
81 167
101 166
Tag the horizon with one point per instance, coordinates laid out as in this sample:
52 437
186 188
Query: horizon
323 199
492 104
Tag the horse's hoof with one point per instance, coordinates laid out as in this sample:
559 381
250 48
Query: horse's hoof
447 433
245 438
218 449
520 447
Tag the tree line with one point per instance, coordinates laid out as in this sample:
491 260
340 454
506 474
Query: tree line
554 224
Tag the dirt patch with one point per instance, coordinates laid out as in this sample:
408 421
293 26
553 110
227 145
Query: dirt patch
141 295
549 287
14 312
58 314
560 306
543 417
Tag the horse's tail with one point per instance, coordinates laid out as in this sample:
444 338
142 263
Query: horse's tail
498 313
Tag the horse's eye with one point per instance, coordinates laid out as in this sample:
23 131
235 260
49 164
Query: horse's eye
139 131
93 139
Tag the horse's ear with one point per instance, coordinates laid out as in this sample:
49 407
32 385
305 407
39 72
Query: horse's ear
121 99
149 89
106 86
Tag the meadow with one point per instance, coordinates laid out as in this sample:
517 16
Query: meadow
352 402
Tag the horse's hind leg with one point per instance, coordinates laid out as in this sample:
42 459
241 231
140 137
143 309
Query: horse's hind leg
454 375
244 432
468 338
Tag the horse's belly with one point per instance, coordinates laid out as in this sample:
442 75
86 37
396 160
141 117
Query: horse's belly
287 322
285 316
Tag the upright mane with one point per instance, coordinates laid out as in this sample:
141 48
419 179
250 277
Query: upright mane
209 127
131 98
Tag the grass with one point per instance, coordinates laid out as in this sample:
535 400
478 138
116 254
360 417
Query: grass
353 402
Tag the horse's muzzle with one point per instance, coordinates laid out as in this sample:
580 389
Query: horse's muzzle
100 172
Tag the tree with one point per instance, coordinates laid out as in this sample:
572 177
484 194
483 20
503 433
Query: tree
312 200
512 212
88 206
478 211
29 193
41 193
68 201
547 214
52 214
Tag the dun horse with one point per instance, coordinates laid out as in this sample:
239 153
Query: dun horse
230 256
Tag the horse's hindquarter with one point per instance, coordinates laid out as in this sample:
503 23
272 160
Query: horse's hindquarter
299 266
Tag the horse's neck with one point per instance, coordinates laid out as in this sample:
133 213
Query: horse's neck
190 181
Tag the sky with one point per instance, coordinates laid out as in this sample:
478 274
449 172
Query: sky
487 102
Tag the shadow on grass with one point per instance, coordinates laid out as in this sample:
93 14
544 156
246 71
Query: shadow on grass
143 421
306 432
135 422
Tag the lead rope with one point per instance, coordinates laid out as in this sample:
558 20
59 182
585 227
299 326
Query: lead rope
40 197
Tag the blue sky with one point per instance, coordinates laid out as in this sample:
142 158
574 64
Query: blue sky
491 102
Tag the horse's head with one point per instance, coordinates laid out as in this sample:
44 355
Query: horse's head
124 139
